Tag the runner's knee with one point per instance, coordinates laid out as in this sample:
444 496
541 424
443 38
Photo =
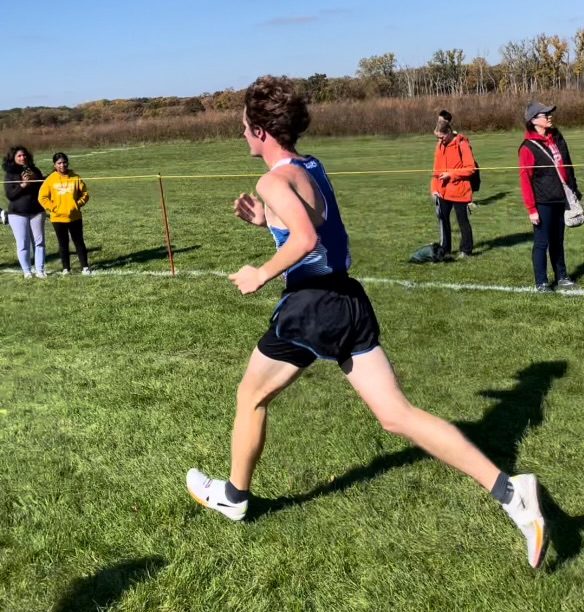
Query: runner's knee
251 395
397 417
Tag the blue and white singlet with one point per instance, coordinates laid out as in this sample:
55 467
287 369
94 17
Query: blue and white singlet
331 254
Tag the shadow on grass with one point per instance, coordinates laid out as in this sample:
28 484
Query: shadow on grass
142 256
578 272
49 258
502 242
107 586
498 434
565 530
492 198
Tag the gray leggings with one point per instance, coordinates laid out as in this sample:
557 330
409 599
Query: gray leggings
25 227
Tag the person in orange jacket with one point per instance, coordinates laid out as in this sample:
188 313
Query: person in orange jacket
454 164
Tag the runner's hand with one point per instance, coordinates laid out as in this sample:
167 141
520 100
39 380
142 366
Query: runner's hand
248 279
250 208
534 218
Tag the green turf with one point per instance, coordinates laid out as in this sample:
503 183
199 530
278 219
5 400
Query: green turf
111 387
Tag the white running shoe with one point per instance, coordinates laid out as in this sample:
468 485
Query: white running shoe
211 494
41 274
525 512
27 275
86 272
66 272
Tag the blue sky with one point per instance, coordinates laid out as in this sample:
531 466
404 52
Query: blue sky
66 53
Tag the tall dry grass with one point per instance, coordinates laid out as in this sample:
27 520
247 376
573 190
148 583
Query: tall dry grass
208 125
397 116
387 116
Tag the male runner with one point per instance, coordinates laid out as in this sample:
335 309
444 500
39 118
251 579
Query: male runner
326 314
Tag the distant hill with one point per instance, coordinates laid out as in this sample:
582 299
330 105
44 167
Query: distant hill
103 111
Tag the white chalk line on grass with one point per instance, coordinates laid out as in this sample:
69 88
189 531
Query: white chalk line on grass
100 152
406 284
460 286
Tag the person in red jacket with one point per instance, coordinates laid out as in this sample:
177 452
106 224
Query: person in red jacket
454 164
543 159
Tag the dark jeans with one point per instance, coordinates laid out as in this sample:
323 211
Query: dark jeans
443 208
75 228
549 236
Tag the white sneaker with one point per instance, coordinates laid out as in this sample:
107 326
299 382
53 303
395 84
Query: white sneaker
27 275
66 272
211 494
525 512
41 275
86 272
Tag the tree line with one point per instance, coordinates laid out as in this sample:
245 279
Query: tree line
540 63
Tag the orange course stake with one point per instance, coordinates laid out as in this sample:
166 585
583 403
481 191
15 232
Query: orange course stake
166 228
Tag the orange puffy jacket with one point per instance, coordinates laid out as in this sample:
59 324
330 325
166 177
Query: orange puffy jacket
457 159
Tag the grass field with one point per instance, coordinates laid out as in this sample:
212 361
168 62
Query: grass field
111 387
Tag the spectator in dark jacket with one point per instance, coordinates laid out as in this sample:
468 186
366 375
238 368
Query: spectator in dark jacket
543 159
25 215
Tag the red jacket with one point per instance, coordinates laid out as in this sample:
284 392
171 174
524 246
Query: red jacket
527 171
457 159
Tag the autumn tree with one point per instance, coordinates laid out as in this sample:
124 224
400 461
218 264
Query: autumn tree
550 57
518 66
379 70
317 88
578 66
448 72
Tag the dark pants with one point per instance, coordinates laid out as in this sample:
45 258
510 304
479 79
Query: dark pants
549 236
75 228
443 208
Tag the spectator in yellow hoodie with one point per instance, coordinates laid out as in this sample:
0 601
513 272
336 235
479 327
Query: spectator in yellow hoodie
62 194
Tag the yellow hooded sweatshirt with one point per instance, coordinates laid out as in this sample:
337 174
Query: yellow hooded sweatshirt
63 196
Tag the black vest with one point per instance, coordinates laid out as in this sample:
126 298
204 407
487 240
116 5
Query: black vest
547 187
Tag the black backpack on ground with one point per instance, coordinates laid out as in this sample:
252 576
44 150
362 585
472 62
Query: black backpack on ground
429 253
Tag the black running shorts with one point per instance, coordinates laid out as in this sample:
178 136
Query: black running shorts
327 318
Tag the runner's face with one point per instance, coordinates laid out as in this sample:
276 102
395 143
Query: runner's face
252 139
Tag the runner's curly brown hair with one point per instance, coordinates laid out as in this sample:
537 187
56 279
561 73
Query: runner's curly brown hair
274 104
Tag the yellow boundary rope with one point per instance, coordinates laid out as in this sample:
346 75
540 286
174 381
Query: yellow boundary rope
337 173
